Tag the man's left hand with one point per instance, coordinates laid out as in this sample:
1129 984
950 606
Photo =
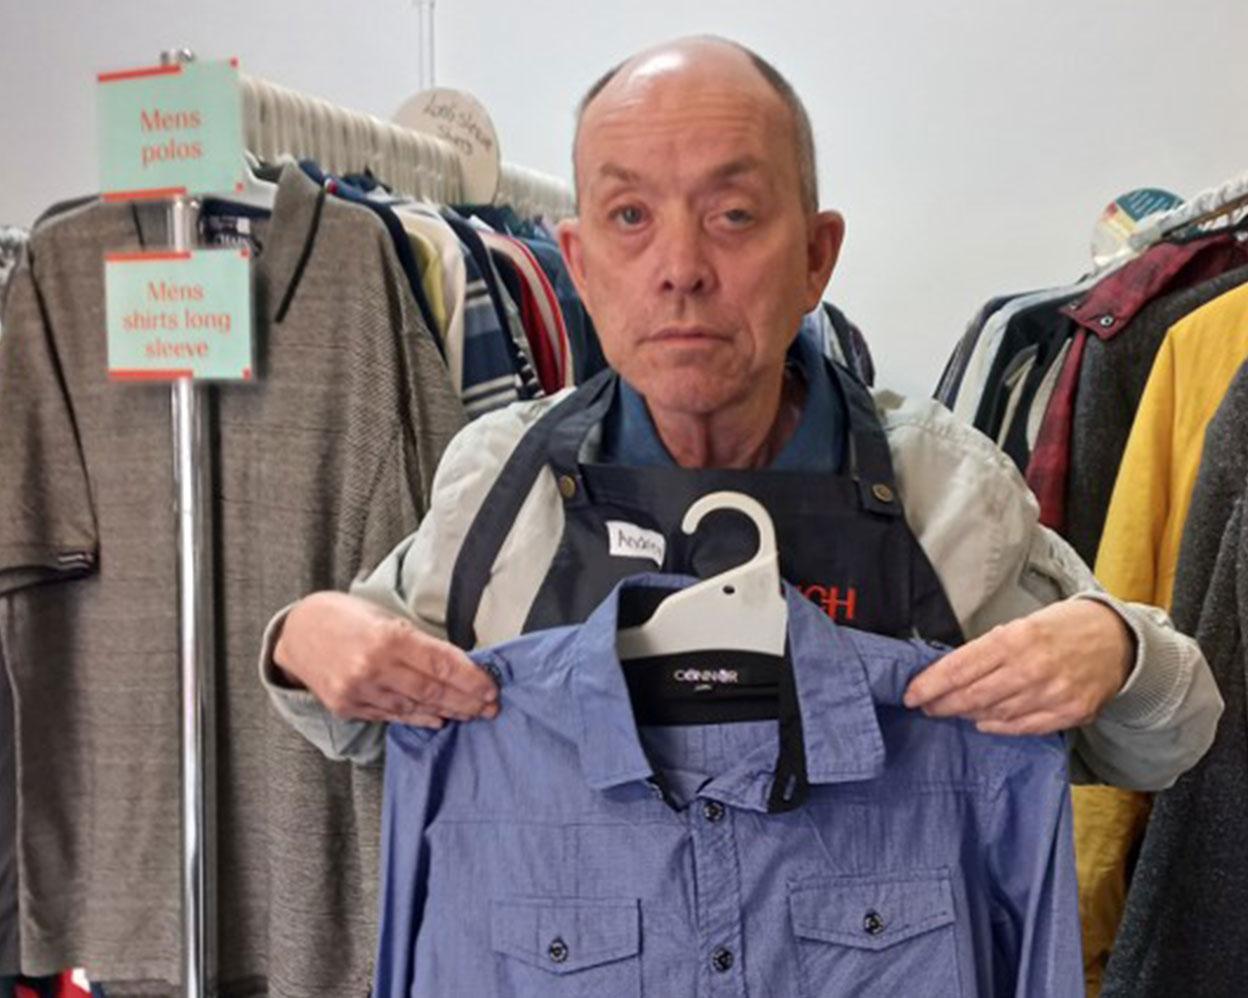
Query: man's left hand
1050 671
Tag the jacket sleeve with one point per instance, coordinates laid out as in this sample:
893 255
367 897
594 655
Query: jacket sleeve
979 525
413 580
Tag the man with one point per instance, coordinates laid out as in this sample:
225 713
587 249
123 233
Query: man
697 249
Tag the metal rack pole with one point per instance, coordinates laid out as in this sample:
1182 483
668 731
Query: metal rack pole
193 487
426 48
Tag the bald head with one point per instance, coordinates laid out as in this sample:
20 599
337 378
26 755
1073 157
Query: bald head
705 60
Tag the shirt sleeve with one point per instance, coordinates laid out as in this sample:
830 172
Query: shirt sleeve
411 765
47 519
1031 860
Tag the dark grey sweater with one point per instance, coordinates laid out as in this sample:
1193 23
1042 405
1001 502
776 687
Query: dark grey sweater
1185 930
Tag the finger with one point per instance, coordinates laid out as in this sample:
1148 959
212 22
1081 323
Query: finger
1028 701
1043 722
958 669
409 682
984 695
400 707
416 719
448 665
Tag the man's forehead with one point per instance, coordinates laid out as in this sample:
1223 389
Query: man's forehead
733 126
714 170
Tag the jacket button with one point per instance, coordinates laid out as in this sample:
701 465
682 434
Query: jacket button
882 492
713 811
567 486
721 960
1106 321
558 950
872 923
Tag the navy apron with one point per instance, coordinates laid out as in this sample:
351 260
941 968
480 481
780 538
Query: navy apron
842 538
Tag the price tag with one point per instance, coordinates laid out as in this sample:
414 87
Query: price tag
170 130
178 315
461 120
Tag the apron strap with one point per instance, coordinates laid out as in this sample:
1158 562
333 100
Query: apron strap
556 433
867 460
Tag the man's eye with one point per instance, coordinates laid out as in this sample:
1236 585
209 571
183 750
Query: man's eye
738 217
629 216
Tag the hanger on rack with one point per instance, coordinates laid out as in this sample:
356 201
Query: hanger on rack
741 609
1208 206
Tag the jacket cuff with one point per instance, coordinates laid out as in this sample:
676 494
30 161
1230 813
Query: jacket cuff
290 702
1157 679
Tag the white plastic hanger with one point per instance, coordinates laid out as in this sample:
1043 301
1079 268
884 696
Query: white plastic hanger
741 609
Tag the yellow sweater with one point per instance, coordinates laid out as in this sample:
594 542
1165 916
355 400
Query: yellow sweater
1139 549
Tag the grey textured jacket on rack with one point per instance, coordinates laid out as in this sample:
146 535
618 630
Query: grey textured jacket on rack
967 505
1183 930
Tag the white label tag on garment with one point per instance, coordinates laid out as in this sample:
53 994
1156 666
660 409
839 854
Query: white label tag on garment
627 540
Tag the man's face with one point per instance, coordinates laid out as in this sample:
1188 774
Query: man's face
693 251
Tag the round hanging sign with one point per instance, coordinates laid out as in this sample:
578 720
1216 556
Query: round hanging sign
459 119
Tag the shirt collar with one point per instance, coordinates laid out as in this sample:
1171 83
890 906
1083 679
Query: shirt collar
840 678
1115 300
290 233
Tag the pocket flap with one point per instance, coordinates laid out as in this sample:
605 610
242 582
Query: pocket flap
871 912
563 936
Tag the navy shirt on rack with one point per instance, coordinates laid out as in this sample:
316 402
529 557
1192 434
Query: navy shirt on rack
847 846
398 236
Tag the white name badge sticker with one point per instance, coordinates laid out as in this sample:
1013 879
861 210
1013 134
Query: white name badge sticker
627 540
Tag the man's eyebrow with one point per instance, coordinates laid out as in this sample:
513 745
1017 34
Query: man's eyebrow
614 171
735 168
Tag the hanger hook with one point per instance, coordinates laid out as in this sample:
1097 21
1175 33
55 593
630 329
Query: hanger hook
741 503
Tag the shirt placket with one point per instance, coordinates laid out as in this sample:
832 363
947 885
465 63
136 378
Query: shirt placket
711 828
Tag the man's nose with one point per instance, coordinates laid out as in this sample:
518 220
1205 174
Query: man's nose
685 267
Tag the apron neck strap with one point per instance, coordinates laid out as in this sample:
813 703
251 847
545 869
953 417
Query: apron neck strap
567 435
554 432
867 458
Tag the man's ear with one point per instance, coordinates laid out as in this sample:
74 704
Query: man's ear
823 246
569 233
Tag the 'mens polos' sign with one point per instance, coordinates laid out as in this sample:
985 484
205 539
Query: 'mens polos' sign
171 130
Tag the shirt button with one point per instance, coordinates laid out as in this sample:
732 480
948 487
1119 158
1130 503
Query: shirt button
1106 321
713 810
558 950
872 923
721 960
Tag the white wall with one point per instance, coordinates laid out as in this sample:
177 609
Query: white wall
971 144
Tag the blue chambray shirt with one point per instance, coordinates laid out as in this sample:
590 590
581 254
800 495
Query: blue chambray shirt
532 856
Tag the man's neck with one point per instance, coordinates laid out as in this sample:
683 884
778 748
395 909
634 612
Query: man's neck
746 435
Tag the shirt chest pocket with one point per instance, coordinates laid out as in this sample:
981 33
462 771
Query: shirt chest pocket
889 934
582 948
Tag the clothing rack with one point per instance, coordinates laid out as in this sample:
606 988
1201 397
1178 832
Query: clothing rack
280 122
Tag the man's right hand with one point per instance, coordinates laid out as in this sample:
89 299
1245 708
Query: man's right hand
362 662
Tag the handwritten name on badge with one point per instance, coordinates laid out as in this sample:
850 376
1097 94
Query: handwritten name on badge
627 540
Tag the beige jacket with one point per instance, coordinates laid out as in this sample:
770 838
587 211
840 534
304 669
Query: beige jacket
965 502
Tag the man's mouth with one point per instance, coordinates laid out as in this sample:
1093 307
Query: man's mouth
685 334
